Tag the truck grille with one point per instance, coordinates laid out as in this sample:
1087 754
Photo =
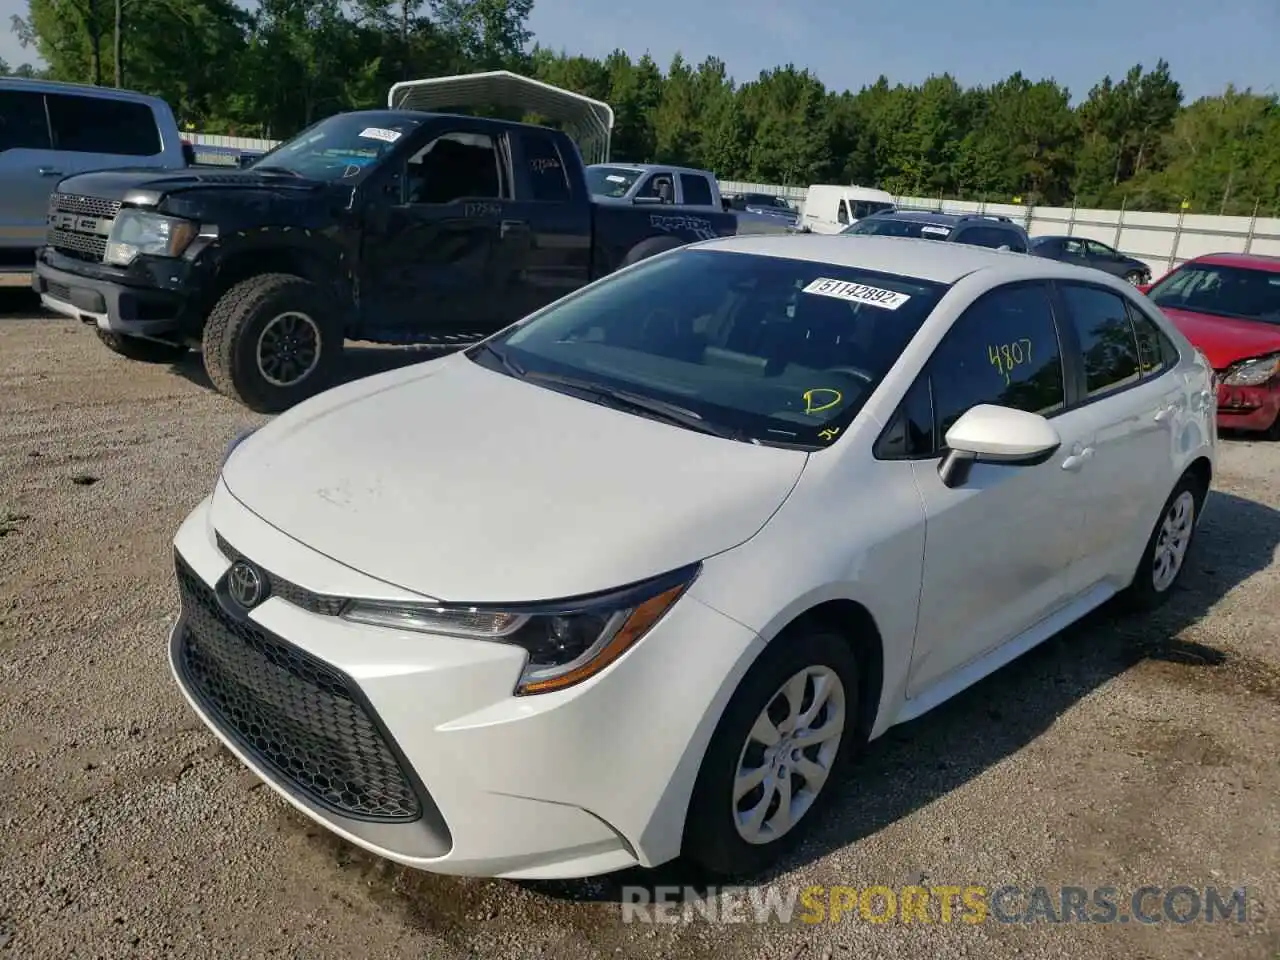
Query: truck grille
79 226
294 714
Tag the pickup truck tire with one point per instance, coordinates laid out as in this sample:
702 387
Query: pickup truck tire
146 351
272 341
650 248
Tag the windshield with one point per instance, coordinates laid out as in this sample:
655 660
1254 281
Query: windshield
1236 292
764 349
340 146
611 181
890 227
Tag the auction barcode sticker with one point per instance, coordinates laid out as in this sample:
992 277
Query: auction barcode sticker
378 133
857 293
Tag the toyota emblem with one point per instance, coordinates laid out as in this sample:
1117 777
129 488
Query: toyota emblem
245 585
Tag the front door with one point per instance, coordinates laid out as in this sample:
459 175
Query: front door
1001 548
428 248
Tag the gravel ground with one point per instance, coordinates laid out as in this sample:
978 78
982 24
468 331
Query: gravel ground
1123 753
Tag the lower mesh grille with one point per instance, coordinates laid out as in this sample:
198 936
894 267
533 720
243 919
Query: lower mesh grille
294 714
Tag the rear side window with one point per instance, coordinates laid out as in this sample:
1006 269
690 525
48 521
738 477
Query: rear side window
1107 341
696 190
547 177
992 237
23 125
1003 350
102 125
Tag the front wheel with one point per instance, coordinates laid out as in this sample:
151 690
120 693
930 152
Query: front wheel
789 731
272 341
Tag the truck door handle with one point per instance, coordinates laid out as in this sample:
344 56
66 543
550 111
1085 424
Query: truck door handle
514 226
49 172
1079 456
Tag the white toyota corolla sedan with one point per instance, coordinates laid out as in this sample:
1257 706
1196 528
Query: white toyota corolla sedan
638 575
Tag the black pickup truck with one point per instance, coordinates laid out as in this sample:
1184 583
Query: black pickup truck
389 226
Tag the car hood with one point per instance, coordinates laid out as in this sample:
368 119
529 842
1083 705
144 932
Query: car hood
1223 340
463 484
117 184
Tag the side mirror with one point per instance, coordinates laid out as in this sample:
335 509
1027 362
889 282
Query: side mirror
647 201
992 434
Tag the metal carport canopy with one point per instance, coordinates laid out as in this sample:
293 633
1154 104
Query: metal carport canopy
589 122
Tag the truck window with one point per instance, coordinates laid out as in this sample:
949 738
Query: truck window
455 166
658 185
842 215
865 208
102 125
697 191
548 179
23 125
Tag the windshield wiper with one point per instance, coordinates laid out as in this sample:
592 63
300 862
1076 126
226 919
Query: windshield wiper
645 406
508 364
269 168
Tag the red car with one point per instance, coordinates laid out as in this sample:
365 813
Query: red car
1228 306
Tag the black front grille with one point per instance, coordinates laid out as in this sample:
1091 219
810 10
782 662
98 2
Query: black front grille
295 714
83 245
84 206
321 603
59 291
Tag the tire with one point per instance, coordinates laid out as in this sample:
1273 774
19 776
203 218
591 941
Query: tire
1153 581
272 341
146 351
649 248
1135 277
713 839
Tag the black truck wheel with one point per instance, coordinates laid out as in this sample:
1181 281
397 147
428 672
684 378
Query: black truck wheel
135 348
272 341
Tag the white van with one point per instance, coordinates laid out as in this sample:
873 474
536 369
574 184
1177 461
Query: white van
829 208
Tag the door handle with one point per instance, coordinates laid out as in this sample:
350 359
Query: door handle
1164 413
49 172
1079 457
514 226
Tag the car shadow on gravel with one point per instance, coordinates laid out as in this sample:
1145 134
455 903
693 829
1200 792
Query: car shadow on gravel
916 763
20 303
358 361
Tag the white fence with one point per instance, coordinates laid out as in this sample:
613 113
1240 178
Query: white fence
1161 240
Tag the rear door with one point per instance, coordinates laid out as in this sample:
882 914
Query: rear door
1132 399
428 248
543 249
28 170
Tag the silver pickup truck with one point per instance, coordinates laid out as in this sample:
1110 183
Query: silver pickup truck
49 131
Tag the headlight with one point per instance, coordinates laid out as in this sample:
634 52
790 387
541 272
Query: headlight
566 642
138 232
238 439
1252 373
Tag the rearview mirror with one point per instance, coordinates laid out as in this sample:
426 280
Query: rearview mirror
991 434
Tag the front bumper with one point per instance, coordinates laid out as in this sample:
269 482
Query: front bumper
96 295
1252 409
413 746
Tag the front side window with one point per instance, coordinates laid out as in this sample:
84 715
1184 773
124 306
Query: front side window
455 166
102 125
23 125
1239 293
659 186
762 349
1101 322
1156 352
1003 350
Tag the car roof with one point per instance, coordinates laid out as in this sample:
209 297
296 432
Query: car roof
1249 261
905 256
648 167
36 85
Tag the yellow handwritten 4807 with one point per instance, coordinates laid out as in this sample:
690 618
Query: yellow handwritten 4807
1005 356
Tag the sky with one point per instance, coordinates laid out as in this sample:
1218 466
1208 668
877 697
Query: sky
849 43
